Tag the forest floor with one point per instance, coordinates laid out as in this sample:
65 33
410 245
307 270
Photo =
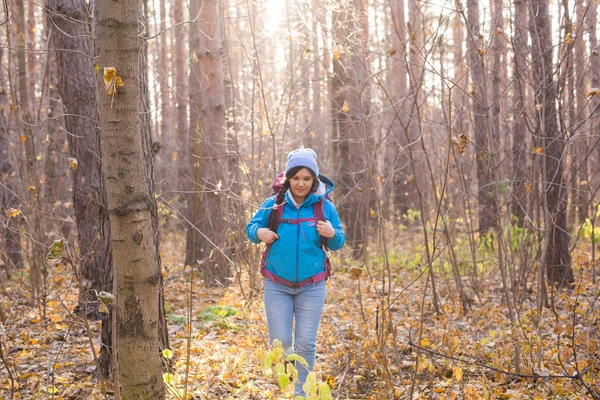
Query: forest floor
465 355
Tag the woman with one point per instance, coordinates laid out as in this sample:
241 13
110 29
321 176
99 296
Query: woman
298 224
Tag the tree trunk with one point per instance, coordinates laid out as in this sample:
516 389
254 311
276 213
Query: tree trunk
37 261
580 160
165 133
519 166
181 153
130 205
558 258
592 19
77 91
348 107
399 160
11 248
208 208
497 76
149 151
485 192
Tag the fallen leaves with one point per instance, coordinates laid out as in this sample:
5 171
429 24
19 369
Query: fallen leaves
228 340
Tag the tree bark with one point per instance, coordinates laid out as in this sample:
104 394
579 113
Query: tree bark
11 248
519 166
348 107
181 153
77 91
130 204
486 188
37 260
208 208
558 258
592 23
580 159
148 150
399 160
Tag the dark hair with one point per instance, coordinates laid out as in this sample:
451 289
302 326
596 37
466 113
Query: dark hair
273 222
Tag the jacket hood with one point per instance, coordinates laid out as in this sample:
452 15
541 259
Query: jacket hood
326 185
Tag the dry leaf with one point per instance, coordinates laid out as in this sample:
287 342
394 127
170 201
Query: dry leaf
594 92
13 212
345 107
73 163
112 81
458 374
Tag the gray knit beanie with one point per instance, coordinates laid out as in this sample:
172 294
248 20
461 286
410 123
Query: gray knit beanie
302 158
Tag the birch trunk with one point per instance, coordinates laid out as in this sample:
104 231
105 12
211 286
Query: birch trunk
130 205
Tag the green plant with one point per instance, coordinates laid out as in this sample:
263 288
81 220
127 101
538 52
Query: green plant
164 213
587 232
219 316
276 363
412 216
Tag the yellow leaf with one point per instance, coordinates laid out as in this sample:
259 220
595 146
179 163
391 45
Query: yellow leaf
97 68
345 107
13 212
32 189
168 378
372 213
167 353
568 38
112 81
594 92
392 51
73 163
23 138
528 187
458 374
424 342
337 54
538 150
52 390
307 53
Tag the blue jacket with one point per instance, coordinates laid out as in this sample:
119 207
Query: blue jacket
297 254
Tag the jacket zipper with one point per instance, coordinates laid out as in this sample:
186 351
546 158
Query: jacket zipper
297 246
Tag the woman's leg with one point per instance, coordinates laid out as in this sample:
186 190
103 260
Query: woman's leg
279 307
308 307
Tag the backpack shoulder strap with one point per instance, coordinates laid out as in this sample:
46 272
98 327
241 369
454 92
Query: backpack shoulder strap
319 210
320 216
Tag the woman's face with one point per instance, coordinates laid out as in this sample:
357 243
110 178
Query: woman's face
300 184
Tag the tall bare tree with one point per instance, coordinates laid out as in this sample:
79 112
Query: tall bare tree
557 256
592 24
581 178
137 268
483 153
208 209
397 159
349 106
10 236
519 164
180 96
77 91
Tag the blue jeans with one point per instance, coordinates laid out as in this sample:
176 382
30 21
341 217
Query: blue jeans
305 304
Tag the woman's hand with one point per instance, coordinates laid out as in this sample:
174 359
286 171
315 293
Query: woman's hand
267 235
325 229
